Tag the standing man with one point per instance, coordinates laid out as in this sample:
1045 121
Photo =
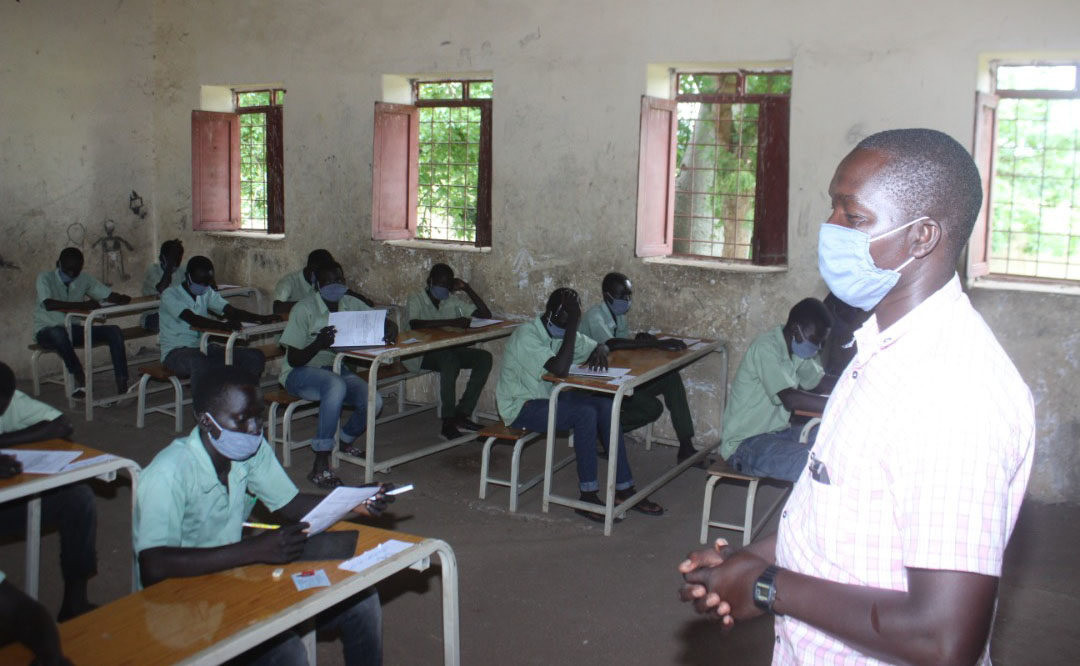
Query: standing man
67 287
435 306
891 545
606 322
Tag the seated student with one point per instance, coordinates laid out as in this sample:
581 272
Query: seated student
71 508
25 620
162 275
606 322
68 288
192 501
436 306
779 374
551 343
308 369
189 304
295 286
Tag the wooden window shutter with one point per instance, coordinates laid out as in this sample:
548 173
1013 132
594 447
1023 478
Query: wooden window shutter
275 160
215 171
656 177
771 208
394 171
978 250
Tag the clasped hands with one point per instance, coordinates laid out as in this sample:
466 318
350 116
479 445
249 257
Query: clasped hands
719 582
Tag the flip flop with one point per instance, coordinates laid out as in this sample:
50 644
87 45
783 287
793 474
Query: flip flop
350 450
325 479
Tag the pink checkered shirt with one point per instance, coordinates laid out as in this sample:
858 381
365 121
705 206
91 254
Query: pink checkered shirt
928 441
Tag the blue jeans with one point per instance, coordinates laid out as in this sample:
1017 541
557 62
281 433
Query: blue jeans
55 338
584 413
357 620
190 362
775 455
333 391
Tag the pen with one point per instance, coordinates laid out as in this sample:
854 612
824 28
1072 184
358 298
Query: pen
262 526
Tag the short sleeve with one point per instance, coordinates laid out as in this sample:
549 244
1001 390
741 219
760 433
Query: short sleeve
622 327
268 480
592 325
159 506
42 285
776 375
283 289
296 331
810 373
172 304
150 280
583 346
215 302
96 289
412 307
465 308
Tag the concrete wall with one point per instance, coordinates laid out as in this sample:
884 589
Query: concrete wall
568 78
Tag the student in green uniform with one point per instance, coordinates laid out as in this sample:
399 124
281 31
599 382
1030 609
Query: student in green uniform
67 287
434 306
191 303
25 620
162 275
779 373
295 286
193 498
308 369
71 508
607 321
550 344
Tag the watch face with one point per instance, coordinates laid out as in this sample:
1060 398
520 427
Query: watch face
761 593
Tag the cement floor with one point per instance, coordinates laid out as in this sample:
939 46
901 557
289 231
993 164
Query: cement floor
549 588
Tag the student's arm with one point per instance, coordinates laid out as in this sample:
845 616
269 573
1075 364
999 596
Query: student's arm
460 322
30 624
57 428
301 357
283 307
197 321
236 314
355 294
53 304
482 310
166 277
559 364
117 298
796 399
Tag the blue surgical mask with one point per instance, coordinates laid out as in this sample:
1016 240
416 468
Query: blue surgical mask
64 277
555 331
804 349
439 293
332 292
848 269
619 306
232 444
196 288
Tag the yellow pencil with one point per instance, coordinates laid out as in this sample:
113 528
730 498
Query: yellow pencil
262 526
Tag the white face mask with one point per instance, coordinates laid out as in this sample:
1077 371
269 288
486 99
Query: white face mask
846 265
233 444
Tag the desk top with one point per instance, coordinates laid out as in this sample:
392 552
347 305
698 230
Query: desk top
134 305
181 617
431 338
647 361
48 445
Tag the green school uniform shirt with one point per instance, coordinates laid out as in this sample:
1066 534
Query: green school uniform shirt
529 348
49 285
149 285
293 287
24 412
419 306
174 332
754 405
600 325
307 318
181 503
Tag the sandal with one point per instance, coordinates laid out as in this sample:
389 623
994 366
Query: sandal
350 450
325 479
645 506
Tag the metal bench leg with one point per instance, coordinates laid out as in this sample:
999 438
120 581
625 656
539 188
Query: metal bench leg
648 437
286 430
515 471
485 462
140 410
178 403
271 429
706 510
748 519
35 372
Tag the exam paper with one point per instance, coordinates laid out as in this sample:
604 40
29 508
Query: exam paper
480 322
336 506
359 329
583 371
369 558
42 462
88 461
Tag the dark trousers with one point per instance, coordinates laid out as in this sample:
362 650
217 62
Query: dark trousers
644 406
71 509
448 363
55 338
190 362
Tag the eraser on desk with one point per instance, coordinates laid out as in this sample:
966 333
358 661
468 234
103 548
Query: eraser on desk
277 573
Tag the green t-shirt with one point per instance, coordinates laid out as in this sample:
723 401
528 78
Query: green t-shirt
293 287
307 318
419 306
529 348
174 332
24 412
754 405
50 286
599 324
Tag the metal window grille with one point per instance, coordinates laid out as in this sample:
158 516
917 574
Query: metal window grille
252 107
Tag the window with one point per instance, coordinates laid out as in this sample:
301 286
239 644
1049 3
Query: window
238 164
713 172
432 164
1027 144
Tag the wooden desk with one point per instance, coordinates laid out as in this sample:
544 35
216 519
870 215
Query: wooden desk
645 365
428 339
32 485
242 334
209 619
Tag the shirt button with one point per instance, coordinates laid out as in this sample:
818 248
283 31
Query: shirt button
778 640
784 514
854 374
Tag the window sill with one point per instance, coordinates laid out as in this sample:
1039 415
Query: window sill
247 235
715 265
436 245
998 284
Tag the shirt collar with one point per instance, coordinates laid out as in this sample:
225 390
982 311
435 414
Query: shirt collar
870 340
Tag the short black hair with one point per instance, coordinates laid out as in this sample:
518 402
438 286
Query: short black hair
441 271
611 280
209 386
174 244
930 173
557 296
199 263
7 381
317 258
810 311
325 269
71 254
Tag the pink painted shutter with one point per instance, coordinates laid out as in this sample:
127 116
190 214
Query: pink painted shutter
656 177
978 252
215 171
394 171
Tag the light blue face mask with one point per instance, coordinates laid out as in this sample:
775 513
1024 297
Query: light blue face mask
64 277
804 349
555 331
439 293
332 292
232 444
196 288
848 269
619 306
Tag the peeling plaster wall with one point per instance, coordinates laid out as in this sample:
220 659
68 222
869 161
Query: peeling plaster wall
75 118
568 79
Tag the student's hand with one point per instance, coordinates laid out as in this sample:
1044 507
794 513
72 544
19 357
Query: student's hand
119 299
726 590
645 337
460 322
390 332
459 285
326 336
9 466
671 344
572 308
278 546
598 359
374 507
232 324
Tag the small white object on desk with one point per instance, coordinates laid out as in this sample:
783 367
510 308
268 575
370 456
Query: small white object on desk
306 580
369 558
480 322
583 371
42 462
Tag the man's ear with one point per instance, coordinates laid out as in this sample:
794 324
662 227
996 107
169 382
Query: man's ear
928 235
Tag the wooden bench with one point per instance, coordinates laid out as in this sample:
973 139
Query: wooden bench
37 351
160 373
499 432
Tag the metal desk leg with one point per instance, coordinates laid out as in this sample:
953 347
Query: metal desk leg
33 545
372 416
451 647
613 461
549 452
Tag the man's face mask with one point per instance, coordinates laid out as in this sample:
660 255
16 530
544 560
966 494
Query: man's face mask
619 306
848 269
332 292
439 292
195 287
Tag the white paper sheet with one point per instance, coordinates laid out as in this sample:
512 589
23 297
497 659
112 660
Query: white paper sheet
583 371
336 506
88 461
359 329
686 341
368 558
317 578
480 322
619 381
42 462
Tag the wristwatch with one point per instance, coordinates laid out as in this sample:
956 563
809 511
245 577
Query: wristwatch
765 589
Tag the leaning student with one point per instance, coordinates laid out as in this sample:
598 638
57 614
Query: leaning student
160 276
